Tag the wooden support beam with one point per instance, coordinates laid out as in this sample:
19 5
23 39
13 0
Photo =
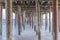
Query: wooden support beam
23 19
41 20
55 19
38 15
32 20
50 20
29 19
0 19
19 24
46 20
20 17
8 6
15 20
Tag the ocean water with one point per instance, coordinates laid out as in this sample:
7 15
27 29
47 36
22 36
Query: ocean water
13 22
4 21
15 29
4 28
26 32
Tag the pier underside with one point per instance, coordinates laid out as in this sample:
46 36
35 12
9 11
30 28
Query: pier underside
29 19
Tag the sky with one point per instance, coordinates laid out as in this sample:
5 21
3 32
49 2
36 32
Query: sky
4 14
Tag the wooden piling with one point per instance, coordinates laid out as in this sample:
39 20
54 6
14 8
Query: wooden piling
46 22
8 7
0 19
20 17
50 20
38 15
55 19
32 20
